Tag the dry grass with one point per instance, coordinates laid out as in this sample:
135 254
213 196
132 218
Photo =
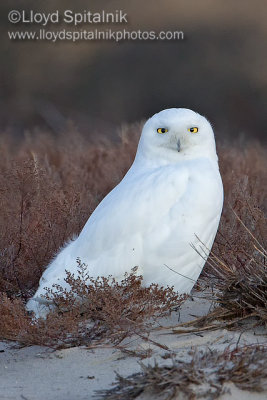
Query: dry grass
117 308
48 188
202 376
241 292
93 310
50 185
16 325
237 264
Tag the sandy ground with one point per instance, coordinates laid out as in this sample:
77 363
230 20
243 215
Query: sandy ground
39 373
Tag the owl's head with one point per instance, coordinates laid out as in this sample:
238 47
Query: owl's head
175 134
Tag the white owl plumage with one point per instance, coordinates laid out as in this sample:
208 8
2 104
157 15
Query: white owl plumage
158 217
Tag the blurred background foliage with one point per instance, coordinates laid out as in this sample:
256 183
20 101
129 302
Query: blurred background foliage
219 69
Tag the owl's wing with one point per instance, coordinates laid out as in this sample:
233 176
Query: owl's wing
123 218
131 208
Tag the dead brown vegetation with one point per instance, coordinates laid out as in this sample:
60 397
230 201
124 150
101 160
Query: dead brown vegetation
237 264
202 376
50 185
48 188
93 310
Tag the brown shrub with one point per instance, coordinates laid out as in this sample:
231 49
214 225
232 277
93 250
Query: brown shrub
14 320
17 325
116 309
237 264
244 178
50 185
94 309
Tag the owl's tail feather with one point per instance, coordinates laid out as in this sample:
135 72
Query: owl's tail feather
39 306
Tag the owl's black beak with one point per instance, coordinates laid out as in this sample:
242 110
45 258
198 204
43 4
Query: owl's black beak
178 145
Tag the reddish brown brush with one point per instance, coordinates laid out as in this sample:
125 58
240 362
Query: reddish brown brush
48 188
50 185
93 309
237 264
16 325
117 309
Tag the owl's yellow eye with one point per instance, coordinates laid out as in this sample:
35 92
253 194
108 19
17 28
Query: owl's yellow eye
193 130
162 130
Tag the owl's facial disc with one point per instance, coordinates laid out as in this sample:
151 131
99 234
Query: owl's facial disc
177 133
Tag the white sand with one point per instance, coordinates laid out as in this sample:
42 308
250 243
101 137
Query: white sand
39 373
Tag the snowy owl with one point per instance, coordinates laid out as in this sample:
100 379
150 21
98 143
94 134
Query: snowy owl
159 217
